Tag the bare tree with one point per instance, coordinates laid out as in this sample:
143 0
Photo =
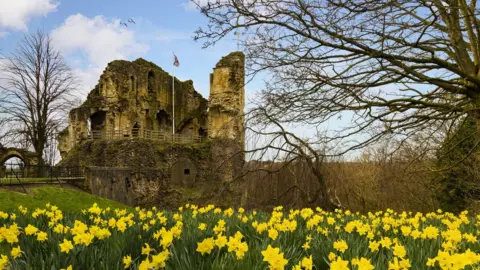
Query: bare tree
3 129
284 150
37 89
394 66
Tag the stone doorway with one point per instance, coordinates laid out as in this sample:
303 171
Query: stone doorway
136 130
163 120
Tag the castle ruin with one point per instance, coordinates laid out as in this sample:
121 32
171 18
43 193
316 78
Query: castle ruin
125 128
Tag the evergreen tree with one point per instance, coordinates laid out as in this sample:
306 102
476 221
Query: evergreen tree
458 166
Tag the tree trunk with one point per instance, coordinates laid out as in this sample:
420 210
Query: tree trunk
325 200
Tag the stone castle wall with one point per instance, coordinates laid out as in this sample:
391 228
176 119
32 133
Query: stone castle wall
142 172
133 95
138 171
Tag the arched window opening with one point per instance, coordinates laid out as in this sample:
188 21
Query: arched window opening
12 167
14 161
163 120
136 130
151 82
97 121
137 101
132 83
202 132
97 124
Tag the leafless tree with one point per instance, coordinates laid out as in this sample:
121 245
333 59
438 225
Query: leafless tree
37 89
394 66
285 150
3 129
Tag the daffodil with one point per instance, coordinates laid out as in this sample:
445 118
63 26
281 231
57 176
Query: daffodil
274 258
127 260
16 252
66 246
30 230
146 250
339 264
340 245
363 264
42 236
202 226
206 246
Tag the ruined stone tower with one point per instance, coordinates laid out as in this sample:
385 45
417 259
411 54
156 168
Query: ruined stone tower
227 99
225 115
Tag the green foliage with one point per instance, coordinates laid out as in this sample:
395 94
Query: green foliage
458 162
66 199
183 254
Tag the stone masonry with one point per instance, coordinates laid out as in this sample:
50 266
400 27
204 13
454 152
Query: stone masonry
137 95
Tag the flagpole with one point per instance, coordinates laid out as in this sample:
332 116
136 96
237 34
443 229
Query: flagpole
173 103
175 64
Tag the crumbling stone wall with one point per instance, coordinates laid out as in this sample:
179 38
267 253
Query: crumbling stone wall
111 183
142 172
132 95
227 98
138 95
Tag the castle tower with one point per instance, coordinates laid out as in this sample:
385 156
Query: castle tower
226 120
227 99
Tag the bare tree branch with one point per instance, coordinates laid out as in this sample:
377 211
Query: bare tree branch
37 89
396 67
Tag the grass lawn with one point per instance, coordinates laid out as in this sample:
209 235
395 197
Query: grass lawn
67 200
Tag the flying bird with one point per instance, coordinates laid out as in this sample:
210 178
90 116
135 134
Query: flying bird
124 24
131 21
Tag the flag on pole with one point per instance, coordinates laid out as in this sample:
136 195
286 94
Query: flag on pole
175 61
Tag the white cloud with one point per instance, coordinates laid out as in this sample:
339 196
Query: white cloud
3 34
98 41
15 14
102 40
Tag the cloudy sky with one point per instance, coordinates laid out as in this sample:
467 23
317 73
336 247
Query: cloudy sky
89 33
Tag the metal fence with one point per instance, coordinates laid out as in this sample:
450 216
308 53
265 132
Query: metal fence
142 134
20 174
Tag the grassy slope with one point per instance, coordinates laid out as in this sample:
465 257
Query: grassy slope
66 199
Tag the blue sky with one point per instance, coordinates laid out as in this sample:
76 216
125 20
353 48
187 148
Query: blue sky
89 35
